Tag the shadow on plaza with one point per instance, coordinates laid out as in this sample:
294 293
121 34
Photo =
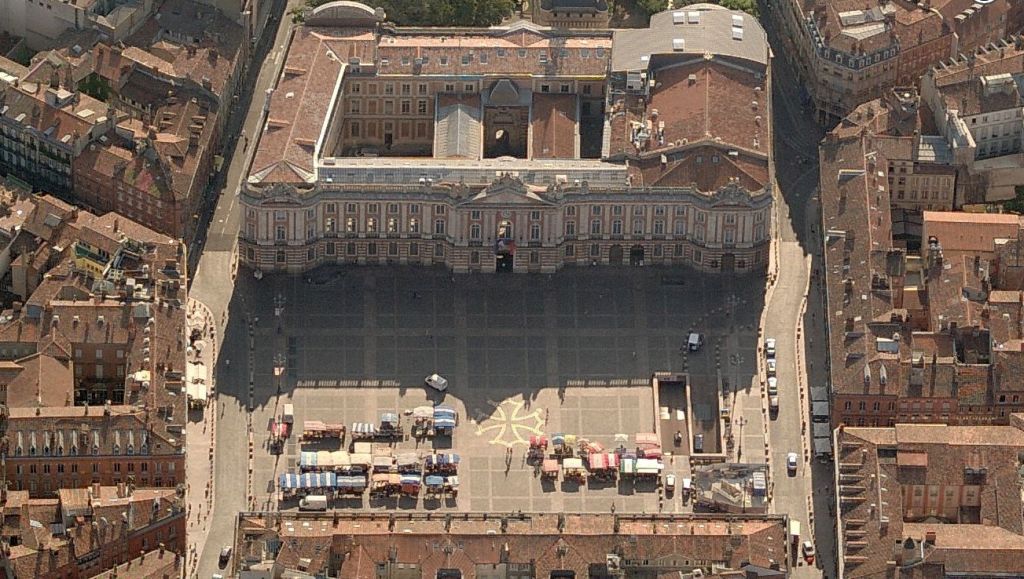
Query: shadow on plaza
495 336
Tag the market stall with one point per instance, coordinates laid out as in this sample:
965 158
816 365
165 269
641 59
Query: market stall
351 484
410 484
423 421
434 486
383 463
363 431
564 444
573 470
538 447
385 484
549 469
603 465
648 445
390 426
445 420
408 463
442 463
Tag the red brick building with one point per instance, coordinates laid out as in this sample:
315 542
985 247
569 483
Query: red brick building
916 335
84 532
86 373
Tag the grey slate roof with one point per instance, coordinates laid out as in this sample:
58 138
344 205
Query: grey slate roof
712 33
458 132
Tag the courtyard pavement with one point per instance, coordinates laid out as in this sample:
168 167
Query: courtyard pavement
569 352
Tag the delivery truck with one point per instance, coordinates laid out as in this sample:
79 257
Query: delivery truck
313 503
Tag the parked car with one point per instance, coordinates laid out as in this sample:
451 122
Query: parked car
808 549
769 348
771 367
670 483
695 341
773 386
791 462
773 406
225 556
437 382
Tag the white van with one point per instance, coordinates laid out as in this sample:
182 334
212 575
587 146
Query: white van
695 341
313 503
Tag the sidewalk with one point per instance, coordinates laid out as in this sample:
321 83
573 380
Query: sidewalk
200 435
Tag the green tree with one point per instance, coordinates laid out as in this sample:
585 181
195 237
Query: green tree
441 12
652 6
1016 205
748 6
95 86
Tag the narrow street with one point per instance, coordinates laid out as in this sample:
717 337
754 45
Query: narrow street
793 318
213 285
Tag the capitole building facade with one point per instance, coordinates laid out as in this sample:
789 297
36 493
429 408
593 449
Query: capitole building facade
516 148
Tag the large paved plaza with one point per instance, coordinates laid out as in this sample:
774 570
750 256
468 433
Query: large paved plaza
571 352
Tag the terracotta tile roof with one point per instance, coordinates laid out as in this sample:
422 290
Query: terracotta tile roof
298 106
38 380
585 540
72 120
199 42
517 50
971 233
991 502
858 250
28 562
718 105
156 564
970 98
63 315
709 167
867 35
554 126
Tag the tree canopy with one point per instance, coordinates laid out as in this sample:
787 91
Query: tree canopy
748 6
440 12
652 6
